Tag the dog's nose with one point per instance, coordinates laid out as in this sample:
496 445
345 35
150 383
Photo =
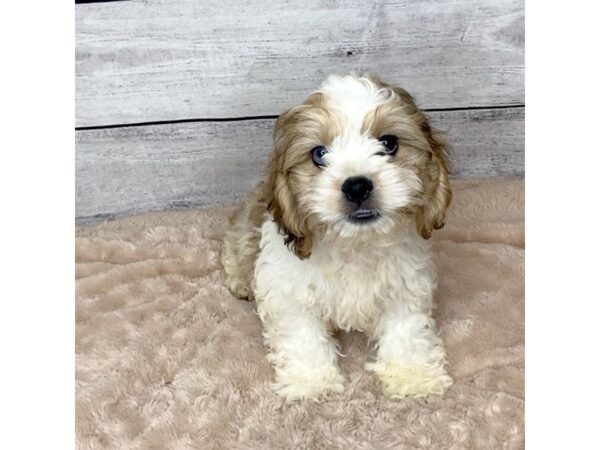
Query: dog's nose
357 189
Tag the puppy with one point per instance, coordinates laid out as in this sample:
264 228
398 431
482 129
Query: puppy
335 237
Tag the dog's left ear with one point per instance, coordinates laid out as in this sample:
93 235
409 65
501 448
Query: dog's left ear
437 193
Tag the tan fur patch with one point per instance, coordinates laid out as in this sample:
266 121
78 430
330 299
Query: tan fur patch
422 147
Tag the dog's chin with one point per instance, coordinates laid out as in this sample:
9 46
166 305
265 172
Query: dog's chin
363 216
361 224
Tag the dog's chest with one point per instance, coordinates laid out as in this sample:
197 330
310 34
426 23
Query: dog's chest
347 285
352 287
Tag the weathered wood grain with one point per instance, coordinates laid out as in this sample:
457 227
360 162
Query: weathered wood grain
159 60
122 171
485 143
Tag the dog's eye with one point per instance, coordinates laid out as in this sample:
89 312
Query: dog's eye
390 142
317 155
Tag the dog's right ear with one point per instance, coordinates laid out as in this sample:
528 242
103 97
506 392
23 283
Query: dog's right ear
281 197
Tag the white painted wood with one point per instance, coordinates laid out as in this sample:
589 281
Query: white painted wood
485 143
122 171
159 60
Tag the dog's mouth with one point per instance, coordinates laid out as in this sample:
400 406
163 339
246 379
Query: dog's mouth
363 215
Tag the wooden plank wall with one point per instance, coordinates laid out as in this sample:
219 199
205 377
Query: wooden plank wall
175 99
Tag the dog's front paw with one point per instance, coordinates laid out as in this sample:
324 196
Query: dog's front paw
400 381
308 384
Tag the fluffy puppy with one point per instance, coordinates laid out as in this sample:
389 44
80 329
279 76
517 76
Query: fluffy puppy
335 237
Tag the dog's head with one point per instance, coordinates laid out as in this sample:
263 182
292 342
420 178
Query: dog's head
356 158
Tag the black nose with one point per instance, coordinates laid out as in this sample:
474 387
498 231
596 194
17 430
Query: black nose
357 189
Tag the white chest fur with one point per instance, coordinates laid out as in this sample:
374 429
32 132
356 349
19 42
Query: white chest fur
346 283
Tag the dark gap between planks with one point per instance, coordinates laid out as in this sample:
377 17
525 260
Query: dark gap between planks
244 118
77 2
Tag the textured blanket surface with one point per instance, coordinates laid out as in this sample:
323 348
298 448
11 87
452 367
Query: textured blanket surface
167 358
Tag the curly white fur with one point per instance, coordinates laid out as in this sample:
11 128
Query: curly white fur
378 277
382 288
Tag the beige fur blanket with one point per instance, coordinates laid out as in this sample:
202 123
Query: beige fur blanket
166 358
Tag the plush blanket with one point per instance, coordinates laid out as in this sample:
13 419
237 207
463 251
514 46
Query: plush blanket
167 358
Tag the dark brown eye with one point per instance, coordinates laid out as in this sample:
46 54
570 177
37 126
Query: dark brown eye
390 142
317 155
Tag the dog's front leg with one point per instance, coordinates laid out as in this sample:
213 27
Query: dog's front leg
411 358
303 352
